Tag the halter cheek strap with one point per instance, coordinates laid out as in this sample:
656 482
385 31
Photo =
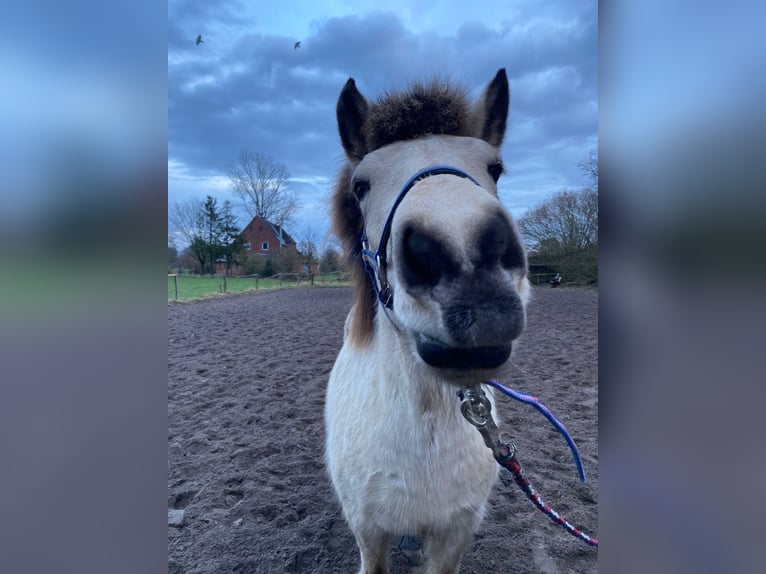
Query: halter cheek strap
375 261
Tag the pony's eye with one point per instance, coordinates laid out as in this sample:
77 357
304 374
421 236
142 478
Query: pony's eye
495 170
361 188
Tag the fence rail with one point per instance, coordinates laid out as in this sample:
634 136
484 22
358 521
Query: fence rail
193 286
540 278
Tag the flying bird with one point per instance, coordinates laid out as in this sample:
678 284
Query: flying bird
200 40
297 45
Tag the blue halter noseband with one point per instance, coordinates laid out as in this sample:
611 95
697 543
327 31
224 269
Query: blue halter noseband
375 261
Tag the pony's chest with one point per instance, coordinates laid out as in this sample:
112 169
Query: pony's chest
423 476
422 448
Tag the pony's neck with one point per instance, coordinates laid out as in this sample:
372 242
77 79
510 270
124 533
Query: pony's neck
413 379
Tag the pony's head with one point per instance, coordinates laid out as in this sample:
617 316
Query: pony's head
442 253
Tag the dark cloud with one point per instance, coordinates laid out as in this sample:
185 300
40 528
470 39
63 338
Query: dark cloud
247 87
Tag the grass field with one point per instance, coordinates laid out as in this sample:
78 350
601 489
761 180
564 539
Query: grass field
194 286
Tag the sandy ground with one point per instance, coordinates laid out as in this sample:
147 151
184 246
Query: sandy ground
246 384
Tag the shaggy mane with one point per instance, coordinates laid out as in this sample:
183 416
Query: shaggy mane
347 224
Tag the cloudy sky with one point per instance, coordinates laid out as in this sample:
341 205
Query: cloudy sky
246 87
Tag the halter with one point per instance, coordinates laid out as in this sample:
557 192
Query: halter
375 261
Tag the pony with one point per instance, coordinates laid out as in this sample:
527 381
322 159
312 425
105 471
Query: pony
439 280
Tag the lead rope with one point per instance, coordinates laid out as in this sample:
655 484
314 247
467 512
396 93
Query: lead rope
477 410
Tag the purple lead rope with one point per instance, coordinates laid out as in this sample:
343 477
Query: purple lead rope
530 400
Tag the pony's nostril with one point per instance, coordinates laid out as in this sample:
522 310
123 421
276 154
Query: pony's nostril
425 259
498 244
494 240
419 251
513 257
419 246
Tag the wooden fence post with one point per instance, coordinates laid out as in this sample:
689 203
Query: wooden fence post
175 281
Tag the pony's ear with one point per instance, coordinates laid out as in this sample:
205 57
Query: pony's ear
352 111
490 112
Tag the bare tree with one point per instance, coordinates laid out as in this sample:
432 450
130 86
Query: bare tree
308 244
562 232
172 257
589 167
330 260
568 220
184 219
258 181
208 230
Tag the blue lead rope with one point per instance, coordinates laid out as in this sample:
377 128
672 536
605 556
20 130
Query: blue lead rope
534 401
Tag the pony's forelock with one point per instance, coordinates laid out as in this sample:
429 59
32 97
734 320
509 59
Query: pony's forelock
435 107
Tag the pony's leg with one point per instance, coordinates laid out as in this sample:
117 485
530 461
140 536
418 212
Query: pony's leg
444 549
373 546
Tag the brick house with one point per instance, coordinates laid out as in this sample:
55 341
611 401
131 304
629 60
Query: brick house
265 238
261 237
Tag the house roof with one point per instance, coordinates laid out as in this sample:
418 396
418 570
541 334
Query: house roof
284 237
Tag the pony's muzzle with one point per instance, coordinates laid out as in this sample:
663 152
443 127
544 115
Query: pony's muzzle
465 262
441 356
484 317
480 327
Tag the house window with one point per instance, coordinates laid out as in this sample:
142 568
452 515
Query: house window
248 246
265 246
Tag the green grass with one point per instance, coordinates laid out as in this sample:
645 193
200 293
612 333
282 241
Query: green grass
194 287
